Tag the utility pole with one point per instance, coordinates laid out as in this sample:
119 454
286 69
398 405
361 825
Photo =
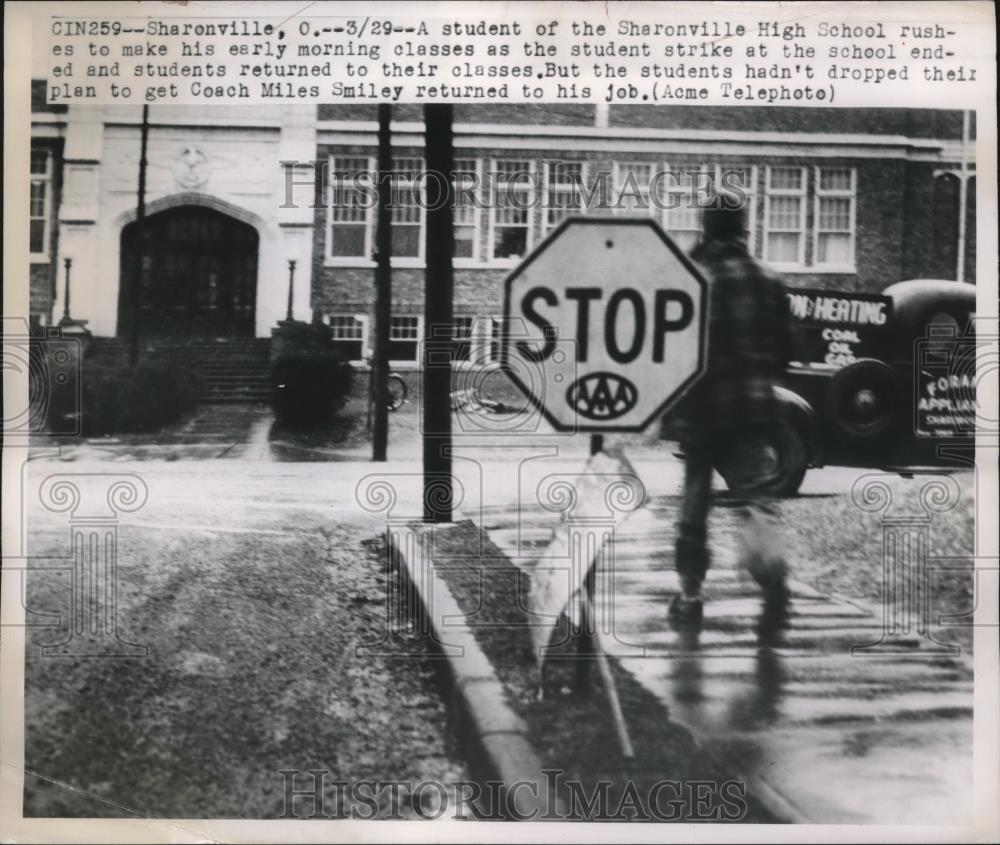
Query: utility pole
383 289
963 197
438 289
140 222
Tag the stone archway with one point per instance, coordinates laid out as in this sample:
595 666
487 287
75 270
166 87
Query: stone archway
200 276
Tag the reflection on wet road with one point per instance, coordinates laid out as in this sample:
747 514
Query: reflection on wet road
819 732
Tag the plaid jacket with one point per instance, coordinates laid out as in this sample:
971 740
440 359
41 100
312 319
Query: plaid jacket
749 344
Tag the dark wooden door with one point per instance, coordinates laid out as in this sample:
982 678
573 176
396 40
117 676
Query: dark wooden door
200 275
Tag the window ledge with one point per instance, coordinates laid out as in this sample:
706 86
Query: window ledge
39 258
420 264
834 268
401 263
359 263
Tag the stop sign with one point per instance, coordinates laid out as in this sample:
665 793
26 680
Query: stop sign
604 324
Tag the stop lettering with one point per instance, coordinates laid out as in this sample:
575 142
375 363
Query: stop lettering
634 322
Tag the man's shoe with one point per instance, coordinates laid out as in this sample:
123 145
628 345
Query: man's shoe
686 611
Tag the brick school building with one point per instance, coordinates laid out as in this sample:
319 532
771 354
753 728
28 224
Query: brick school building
840 199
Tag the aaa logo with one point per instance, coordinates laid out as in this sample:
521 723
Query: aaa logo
602 396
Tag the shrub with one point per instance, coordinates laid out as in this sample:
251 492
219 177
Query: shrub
309 387
119 399
158 395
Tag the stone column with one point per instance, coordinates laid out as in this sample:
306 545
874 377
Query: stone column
95 289
295 220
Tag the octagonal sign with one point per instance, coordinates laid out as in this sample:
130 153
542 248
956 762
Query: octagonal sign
605 324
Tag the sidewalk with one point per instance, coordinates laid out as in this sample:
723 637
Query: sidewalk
818 735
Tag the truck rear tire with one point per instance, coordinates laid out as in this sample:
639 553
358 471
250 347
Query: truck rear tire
785 459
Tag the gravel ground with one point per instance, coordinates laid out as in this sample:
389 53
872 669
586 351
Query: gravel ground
252 669
836 547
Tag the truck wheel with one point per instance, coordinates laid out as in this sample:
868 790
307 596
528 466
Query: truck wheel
783 458
863 400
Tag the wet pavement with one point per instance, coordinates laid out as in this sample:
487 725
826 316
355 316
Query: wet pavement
824 735
225 432
844 715
249 432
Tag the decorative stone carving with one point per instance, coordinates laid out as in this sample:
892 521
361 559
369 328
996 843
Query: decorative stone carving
191 168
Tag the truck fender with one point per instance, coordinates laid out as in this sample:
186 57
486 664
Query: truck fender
796 411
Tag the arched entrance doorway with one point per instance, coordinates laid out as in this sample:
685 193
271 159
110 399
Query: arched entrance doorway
200 277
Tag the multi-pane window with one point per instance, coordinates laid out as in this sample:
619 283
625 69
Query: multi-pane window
350 207
785 216
513 187
631 193
476 340
461 348
834 224
465 184
348 335
685 191
563 191
404 338
406 208
40 197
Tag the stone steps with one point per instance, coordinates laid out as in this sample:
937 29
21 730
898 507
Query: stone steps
231 369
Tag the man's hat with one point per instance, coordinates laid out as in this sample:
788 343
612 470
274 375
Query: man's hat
723 220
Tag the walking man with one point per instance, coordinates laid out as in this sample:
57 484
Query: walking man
730 411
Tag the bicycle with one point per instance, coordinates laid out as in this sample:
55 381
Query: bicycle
397 390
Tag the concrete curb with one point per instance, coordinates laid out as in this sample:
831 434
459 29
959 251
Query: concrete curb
494 737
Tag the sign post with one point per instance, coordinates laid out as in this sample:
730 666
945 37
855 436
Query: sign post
605 329
378 400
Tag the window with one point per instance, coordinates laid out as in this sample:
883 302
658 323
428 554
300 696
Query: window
835 193
686 192
351 207
404 338
38 207
406 208
513 189
476 340
785 216
466 183
349 335
461 349
631 195
563 191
